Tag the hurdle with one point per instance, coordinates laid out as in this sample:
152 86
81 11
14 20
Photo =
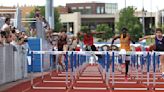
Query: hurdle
79 62
34 86
66 63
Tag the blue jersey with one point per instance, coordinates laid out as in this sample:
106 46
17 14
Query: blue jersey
159 44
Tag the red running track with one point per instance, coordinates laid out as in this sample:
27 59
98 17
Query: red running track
90 80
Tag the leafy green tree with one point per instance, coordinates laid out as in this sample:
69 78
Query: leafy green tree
129 20
57 23
161 26
108 33
84 29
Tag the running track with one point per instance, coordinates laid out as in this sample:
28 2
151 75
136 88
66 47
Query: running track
90 80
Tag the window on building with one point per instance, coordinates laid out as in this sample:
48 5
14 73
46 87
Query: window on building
81 8
98 10
102 10
88 7
73 8
87 11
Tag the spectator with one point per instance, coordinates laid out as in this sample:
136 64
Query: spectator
1 39
37 16
73 44
6 25
14 39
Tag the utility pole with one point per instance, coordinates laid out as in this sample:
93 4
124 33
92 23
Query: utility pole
162 18
125 3
49 13
143 18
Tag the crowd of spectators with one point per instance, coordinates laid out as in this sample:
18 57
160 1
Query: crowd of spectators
10 35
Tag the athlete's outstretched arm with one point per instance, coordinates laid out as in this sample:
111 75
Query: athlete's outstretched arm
80 33
98 32
147 37
116 37
132 40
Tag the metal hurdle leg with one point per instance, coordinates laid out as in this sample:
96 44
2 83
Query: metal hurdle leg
51 64
72 60
154 69
108 68
148 69
142 62
66 63
131 64
32 70
56 63
42 70
137 66
113 69
158 59
100 67
104 69
75 67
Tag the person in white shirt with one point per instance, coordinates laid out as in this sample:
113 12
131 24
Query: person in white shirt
6 25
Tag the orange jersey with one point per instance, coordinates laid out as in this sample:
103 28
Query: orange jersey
125 42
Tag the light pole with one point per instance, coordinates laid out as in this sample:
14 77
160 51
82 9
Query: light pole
49 13
125 3
151 20
162 17
143 20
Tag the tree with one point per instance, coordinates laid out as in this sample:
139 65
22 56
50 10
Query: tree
161 26
84 29
108 33
128 20
57 23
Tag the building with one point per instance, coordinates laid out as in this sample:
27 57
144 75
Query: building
62 10
88 14
93 13
10 11
93 8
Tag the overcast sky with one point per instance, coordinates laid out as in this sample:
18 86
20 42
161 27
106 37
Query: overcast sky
156 4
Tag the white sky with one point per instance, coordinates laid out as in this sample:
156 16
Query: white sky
156 4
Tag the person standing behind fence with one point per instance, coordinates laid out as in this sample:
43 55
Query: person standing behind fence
6 25
158 46
73 44
125 40
37 16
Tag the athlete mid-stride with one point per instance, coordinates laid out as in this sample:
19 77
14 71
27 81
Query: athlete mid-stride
125 40
158 45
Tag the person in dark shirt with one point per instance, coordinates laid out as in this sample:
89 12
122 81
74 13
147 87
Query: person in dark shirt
158 45
62 45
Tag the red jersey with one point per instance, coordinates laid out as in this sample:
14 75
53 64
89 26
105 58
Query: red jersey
138 48
88 40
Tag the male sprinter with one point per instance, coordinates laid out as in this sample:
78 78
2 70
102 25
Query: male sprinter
125 40
88 39
158 46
